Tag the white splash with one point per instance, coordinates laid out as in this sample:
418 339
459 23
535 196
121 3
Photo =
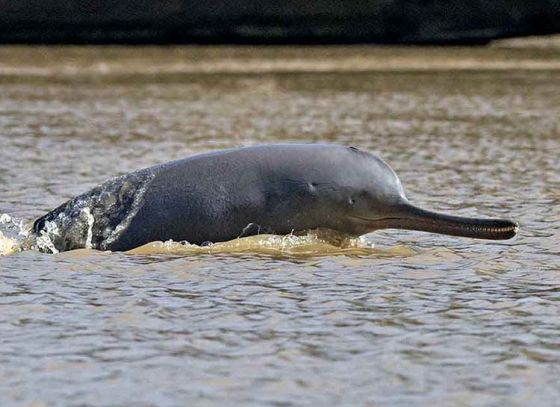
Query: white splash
44 239
90 220
362 241
22 230
7 245
13 234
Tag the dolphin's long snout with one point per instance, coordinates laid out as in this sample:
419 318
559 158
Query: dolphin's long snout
414 218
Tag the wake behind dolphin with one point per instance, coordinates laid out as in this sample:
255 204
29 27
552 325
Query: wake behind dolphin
219 196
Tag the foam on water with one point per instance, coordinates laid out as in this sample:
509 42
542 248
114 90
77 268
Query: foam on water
14 234
90 220
314 243
45 241
7 245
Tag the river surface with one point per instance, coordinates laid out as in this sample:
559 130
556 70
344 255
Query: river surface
396 318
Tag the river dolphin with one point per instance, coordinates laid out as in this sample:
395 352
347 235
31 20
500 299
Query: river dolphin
222 195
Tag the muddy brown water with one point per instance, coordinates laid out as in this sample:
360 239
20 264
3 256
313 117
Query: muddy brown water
418 319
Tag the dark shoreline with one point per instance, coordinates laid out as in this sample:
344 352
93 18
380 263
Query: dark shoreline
436 22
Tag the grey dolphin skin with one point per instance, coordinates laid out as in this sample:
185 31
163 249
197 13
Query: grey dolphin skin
219 196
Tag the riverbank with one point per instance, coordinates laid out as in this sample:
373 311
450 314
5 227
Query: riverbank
96 63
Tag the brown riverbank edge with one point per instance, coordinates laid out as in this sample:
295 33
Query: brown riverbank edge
120 63
537 42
